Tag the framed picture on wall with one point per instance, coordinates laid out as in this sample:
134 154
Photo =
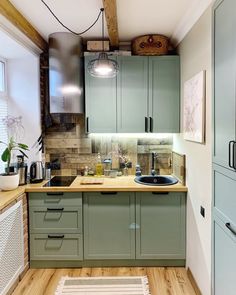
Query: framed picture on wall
194 108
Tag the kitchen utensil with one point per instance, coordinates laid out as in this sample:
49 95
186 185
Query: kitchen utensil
22 171
36 172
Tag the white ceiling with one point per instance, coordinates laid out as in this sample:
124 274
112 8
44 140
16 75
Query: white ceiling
135 17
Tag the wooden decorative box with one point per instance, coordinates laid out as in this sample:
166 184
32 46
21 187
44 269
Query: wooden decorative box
150 45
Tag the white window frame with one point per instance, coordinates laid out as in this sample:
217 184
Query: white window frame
4 93
4 99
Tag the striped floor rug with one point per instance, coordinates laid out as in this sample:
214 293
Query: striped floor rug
103 286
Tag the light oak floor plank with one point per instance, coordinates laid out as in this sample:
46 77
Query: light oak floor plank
162 280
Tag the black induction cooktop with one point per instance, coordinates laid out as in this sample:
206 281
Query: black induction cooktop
60 181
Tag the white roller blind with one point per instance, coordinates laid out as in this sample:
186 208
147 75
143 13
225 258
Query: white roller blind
3 111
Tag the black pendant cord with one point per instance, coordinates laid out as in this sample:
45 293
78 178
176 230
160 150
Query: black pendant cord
73 32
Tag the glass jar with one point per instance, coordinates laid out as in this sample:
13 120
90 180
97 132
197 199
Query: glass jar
126 171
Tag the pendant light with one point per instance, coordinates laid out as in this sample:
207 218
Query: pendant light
103 67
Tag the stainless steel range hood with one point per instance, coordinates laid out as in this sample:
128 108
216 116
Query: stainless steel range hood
66 73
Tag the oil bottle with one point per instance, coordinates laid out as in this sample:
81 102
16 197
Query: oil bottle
99 166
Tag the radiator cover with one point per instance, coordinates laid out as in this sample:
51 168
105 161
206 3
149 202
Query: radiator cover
11 246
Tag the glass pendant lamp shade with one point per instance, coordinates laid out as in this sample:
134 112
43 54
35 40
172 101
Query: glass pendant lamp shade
103 67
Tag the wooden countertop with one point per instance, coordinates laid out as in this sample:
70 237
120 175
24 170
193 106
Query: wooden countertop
122 184
8 197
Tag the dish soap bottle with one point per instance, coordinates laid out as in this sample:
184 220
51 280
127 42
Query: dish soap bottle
99 166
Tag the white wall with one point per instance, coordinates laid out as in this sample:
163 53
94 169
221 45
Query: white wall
24 98
195 54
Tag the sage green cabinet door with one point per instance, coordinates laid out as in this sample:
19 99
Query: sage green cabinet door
100 102
224 79
225 259
132 94
160 220
109 226
164 94
224 192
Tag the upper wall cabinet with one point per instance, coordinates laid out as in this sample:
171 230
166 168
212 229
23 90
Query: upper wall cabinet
144 97
100 103
224 83
164 92
132 94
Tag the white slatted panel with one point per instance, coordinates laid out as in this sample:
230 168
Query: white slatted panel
11 246
3 129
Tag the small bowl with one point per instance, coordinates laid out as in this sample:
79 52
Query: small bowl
113 173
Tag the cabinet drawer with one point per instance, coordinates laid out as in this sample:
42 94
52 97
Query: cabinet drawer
55 198
225 259
56 247
55 219
225 187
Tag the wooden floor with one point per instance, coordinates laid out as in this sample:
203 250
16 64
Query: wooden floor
162 281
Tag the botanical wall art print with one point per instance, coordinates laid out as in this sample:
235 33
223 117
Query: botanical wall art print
194 108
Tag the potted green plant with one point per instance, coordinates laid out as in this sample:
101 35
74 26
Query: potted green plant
10 180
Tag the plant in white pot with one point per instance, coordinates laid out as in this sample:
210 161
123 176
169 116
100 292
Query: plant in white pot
10 180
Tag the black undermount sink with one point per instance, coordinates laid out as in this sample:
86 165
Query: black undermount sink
156 180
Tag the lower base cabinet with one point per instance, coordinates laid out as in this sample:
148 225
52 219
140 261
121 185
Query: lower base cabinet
109 225
134 226
160 219
107 229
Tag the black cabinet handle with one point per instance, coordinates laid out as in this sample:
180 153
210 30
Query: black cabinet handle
87 124
151 124
230 153
234 158
146 124
55 194
230 228
55 209
108 193
56 236
160 193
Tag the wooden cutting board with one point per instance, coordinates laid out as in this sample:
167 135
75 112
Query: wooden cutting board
92 181
178 166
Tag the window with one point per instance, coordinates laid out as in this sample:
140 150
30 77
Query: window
3 110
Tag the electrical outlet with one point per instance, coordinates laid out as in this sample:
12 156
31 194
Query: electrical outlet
202 211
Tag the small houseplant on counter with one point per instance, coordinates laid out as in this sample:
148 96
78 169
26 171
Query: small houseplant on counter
10 180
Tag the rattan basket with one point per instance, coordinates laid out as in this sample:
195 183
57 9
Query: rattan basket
150 45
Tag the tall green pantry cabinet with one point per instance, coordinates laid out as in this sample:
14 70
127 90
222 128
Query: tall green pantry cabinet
224 148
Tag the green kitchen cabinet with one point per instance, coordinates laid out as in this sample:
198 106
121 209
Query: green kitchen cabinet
132 94
224 148
55 227
144 97
160 222
224 258
109 225
164 94
224 230
100 102
224 41
54 247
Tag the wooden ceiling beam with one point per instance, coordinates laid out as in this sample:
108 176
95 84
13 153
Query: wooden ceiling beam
19 21
111 18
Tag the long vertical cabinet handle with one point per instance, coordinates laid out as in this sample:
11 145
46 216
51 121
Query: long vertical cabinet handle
87 124
151 124
146 124
231 163
234 155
